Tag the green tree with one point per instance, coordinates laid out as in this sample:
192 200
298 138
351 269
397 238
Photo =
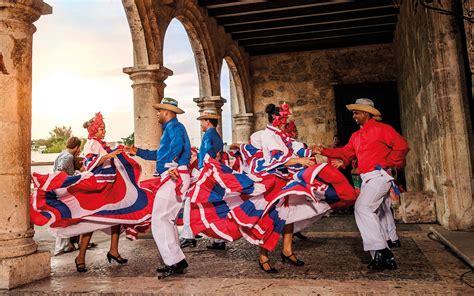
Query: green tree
56 141
130 140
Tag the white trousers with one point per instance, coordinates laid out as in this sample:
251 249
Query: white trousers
386 218
61 245
163 227
373 200
186 232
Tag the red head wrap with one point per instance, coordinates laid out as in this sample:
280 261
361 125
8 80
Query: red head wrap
290 129
94 124
284 111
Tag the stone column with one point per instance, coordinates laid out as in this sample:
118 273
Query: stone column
242 127
20 262
212 103
148 89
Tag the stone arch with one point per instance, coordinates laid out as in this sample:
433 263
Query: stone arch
201 58
147 49
239 75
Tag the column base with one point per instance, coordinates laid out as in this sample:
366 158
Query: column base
22 270
148 168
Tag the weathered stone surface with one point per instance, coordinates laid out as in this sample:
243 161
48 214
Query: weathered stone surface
148 89
267 93
149 20
416 207
18 271
304 81
434 116
19 264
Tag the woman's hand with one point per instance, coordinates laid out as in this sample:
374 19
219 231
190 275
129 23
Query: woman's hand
337 163
306 161
113 154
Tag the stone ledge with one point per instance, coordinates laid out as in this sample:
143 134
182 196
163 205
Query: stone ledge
416 207
22 270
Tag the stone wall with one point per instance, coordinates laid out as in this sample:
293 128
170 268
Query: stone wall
305 80
434 116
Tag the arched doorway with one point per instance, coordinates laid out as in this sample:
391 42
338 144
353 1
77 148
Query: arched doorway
184 85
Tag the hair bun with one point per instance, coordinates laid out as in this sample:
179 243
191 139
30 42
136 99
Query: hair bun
86 124
270 109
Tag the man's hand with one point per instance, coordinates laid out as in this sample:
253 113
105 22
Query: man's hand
174 175
317 149
234 146
337 163
132 150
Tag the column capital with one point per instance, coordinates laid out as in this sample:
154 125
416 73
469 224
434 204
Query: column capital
25 11
148 74
210 103
246 116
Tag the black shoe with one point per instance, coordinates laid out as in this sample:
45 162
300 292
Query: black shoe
300 236
270 268
118 259
216 246
394 244
377 263
295 262
383 259
80 267
170 270
197 236
187 242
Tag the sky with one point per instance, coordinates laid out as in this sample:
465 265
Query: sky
78 55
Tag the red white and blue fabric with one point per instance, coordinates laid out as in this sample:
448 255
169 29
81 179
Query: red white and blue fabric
106 195
229 205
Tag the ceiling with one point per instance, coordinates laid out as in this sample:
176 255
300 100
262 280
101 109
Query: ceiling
268 27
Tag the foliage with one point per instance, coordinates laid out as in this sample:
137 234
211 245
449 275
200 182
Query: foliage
56 142
130 140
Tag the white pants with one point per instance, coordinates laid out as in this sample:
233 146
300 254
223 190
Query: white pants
163 227
373 193
386 218
186 232
61 245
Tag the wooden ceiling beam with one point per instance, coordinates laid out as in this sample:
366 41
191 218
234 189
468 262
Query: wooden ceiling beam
319 35
316 27
360 7
320 44
265 6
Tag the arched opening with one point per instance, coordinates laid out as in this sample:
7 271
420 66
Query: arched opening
228 93
184 84
78 60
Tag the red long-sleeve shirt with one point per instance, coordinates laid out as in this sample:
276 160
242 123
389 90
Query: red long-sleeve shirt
374 144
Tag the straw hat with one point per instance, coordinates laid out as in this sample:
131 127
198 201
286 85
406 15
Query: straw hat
209 114
169 104
365 105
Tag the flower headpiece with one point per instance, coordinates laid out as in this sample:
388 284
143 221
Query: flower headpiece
93 125
284 114
290 129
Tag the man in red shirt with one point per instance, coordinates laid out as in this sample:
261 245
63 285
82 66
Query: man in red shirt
378 147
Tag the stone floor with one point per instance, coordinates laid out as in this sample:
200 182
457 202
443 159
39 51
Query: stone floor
335 264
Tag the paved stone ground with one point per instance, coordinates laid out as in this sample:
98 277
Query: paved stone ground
335 264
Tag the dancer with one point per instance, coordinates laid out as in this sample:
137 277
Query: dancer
278 195
378 147
211 145
172 160
104 197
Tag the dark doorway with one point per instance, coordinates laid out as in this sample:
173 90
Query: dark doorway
384 95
